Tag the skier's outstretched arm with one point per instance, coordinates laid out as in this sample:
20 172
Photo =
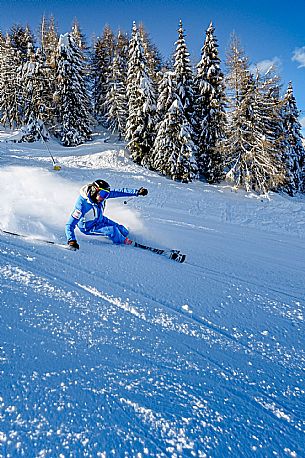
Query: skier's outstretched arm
125 192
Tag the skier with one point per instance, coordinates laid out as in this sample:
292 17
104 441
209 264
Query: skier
88 213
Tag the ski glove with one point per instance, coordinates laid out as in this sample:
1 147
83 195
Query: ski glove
142 192
74 244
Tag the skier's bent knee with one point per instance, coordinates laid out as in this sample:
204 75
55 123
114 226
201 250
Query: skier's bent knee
117 237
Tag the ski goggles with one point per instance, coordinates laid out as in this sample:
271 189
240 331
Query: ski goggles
103 193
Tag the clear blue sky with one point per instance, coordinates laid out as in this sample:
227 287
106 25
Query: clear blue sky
268 30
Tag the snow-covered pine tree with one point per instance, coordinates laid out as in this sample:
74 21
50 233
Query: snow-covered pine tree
10 64
42 31
268 134
294 153
174 152
21 38
116 98
73 108
184 76
121 50
269 112
252 158
140 127
167 96
2 45
104 49
49 40
80 39
232 146
238 71
78 35
167 93
209 105
36 96
152 56
47 58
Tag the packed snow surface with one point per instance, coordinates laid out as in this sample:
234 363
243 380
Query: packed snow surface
115 351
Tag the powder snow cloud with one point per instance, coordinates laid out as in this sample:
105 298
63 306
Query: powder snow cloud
40 202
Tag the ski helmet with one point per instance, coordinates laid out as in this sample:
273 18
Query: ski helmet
101 184
98 186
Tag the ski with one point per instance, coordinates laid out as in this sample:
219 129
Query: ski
32 239
175 255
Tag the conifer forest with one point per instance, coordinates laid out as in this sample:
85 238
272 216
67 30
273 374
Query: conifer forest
207 120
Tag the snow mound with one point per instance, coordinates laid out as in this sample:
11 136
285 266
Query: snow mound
109 159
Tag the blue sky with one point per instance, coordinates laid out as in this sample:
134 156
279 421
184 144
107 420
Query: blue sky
268 30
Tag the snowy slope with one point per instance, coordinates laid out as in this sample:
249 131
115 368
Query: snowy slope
112 351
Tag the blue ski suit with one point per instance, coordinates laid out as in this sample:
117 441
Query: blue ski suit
89 218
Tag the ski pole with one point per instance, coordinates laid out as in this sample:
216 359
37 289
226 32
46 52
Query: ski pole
55 166
128 200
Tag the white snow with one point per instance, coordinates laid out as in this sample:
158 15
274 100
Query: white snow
114 351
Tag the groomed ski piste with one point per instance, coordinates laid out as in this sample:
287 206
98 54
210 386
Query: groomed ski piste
113 351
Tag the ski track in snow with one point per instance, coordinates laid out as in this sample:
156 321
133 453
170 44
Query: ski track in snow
112 351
